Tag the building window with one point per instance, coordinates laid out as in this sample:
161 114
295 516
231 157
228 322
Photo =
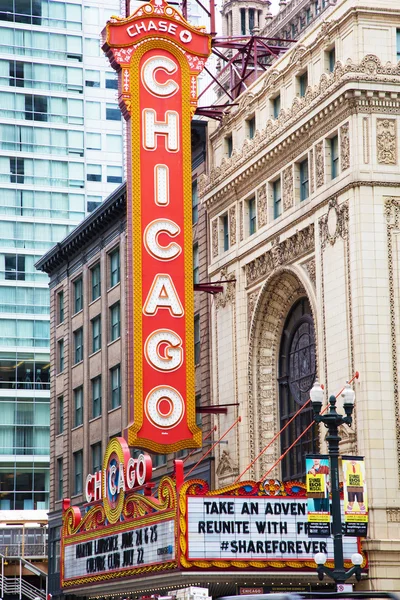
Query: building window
302 84
60 478
277 198
304 183
197 347
251 127
97 461
111 81
14 266
229 145
96 334
297 370
334 147
96 397
96 282
195 202
112 112
243 21
195 263
159 460
60 414
115 380
331 59
92 78
114 268
78 406
252 216
78 295
60 356
115 322
60 305
93 173
398 44
276 106
114 174
225 232
78 345
93 141
78 471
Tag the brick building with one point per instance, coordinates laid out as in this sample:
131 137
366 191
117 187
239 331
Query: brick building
88 286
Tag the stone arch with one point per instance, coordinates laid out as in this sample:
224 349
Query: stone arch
278 294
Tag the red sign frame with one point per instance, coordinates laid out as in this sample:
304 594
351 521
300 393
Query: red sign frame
159 55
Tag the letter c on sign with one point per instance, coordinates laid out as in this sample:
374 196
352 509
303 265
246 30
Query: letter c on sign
165 90
152 244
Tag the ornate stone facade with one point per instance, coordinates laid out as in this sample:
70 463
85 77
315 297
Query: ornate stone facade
333 243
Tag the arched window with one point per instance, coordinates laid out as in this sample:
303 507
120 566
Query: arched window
297 370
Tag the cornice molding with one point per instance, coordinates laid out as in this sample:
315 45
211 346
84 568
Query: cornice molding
369 70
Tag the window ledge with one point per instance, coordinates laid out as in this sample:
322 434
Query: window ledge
95 300
95 352
113 286
113 341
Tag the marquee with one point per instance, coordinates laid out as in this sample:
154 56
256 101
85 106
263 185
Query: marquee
133 531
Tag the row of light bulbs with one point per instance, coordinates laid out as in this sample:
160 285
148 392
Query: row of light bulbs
177 586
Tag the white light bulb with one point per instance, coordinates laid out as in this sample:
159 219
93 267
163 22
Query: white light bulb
320 558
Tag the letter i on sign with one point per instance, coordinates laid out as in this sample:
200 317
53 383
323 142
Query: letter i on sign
159 56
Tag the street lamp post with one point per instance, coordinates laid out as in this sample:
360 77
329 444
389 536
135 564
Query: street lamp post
332 421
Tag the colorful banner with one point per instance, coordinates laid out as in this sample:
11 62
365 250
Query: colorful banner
355 496
159 55
318 487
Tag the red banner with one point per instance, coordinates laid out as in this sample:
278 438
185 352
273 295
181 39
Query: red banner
159 56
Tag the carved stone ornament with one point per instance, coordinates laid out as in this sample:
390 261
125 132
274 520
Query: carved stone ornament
262 206
288 188
393 515
344 147
392 213
348 441
228 295
226 466
309 267
241 232
386 141
251 302
281 253
232 225
319 164
214 238
334 224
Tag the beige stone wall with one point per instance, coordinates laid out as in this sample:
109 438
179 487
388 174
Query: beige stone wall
339 247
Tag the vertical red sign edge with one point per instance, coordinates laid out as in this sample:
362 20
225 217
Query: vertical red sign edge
135 193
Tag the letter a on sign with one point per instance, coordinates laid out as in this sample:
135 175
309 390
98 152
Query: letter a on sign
158 56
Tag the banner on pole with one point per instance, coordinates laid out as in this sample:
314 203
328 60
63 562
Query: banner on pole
355 496
318 486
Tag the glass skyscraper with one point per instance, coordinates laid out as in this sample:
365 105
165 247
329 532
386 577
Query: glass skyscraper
60 155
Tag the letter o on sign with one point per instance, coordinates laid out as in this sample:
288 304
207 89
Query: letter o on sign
185 36
144 469
164 406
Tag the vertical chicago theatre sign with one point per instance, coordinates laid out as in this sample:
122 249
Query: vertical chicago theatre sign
158 56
